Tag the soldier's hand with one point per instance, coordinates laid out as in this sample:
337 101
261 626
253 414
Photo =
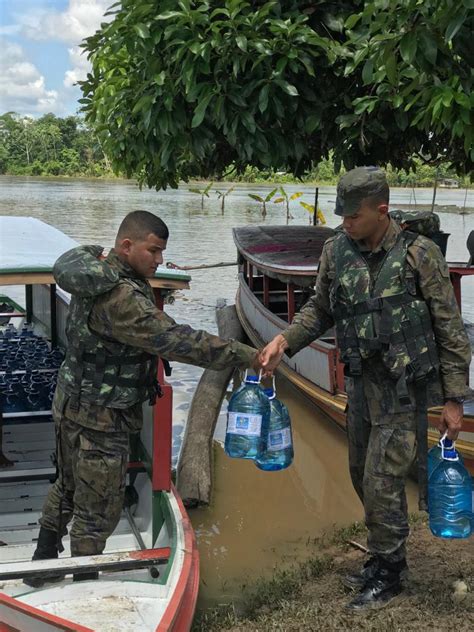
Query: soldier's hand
272 354
257 362
451 419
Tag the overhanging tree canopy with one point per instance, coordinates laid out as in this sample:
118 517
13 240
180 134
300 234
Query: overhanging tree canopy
180 89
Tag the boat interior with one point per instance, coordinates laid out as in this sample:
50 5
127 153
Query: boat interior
29 360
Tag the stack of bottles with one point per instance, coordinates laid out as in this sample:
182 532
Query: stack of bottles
28 370
449 492
259 427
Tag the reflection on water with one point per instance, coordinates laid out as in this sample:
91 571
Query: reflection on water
257 519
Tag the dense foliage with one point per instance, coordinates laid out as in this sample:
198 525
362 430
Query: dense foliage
49 146
182 89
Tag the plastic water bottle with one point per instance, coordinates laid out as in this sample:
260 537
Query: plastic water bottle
435 454
248 416
450 497
278 452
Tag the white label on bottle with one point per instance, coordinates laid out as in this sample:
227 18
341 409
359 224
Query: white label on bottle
244 424
279 440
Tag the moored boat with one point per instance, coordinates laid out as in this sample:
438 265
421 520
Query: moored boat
277 272
149 572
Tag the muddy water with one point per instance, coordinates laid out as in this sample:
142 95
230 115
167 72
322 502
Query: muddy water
258 520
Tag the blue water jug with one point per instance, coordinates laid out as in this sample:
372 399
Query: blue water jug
435 455
278 452
248 415
450 497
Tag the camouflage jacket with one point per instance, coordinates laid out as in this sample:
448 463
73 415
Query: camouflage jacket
430 272
127 315
98 369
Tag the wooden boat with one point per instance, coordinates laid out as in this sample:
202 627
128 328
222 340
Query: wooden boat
149 573
277 273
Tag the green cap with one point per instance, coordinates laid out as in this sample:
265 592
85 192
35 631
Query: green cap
357 184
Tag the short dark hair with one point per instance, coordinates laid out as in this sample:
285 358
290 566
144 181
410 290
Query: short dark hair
139 224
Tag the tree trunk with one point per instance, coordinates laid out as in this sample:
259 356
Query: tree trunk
194 476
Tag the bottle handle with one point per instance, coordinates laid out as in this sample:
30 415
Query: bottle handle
259 376
444 449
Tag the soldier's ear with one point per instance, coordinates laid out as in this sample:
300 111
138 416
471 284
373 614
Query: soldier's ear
125 245
383 211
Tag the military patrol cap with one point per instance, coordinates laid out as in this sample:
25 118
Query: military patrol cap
357 184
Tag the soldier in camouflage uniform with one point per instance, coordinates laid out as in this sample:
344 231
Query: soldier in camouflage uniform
401 338
115 333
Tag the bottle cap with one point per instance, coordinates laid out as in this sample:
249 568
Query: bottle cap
269 392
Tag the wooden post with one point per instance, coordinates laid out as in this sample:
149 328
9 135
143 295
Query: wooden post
250 274
194 481
29 303
290 293
162 426
315 215
266 290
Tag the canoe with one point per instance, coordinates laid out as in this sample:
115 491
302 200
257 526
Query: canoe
277 271
149 572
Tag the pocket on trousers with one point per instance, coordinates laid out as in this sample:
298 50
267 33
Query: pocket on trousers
394 450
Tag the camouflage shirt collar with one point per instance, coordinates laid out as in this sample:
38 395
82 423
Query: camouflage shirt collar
388 241
123 268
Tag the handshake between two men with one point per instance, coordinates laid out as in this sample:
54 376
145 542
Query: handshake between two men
268 358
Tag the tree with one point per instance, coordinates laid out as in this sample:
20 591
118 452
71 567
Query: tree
187 89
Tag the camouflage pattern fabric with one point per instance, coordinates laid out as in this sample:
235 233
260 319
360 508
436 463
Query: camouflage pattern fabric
124 321
112 312
427 267
382 440
420 222
98 370
91 483
397 325
382 450
357 184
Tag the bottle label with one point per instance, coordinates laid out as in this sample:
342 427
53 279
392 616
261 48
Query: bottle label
244 424
279 440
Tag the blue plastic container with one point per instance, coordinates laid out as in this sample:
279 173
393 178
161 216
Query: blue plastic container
278 453
248 416
450 497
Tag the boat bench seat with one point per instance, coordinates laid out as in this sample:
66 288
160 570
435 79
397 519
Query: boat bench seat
18 476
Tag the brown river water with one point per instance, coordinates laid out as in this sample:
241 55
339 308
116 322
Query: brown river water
258 521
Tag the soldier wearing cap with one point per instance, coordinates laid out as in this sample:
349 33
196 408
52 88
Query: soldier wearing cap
115 333
400 336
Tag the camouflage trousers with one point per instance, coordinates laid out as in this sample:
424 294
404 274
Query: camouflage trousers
382 450
90 486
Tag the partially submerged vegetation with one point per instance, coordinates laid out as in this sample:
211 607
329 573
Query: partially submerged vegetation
309 596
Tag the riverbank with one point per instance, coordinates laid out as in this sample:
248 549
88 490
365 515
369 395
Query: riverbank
439 592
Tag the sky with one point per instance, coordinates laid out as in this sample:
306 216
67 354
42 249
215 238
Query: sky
40 58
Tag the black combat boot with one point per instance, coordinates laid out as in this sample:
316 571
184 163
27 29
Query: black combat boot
46 549
82 577
357 580
380 589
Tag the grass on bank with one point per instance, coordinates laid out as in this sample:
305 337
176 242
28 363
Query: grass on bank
309 595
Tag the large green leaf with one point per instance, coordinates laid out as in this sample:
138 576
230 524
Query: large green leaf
200 110
408 46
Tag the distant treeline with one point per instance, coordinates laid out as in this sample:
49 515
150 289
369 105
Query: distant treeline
49 146
54 146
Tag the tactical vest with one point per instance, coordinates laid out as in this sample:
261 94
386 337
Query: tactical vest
96 370
384 316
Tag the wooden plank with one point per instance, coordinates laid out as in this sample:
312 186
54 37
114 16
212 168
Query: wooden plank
39 474
128 560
